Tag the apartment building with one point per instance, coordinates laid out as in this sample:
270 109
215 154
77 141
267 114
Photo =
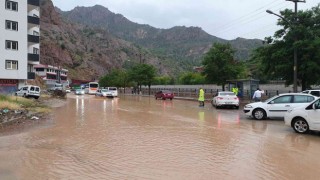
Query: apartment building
52 75
19 42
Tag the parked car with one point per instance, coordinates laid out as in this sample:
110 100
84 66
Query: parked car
29 91
102 92
164 94
277 106
225 99
57 86
112 92
79 92
314 92
304 118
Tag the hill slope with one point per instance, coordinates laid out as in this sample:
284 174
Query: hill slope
180 43
91 41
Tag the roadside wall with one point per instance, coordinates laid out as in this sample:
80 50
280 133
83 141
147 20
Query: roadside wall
191 91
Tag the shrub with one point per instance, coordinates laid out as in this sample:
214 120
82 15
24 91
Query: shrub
59 93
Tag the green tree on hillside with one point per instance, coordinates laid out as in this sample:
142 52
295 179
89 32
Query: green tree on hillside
163 80
117 78
220 65
276 59
191 78
143 74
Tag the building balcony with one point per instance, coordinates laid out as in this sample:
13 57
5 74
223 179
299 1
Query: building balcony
31 75
33 20
34 2
33 39
33 57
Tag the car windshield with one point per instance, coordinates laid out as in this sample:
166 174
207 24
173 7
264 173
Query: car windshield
112 89
226 94
104 90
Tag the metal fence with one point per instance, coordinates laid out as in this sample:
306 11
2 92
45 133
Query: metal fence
193 92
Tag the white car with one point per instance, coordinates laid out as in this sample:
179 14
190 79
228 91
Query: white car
79 92
225 99
102 92
304 118
112 92
29 91
277 106
315 92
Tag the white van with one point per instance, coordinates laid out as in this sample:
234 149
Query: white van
112 92
56 86
29 91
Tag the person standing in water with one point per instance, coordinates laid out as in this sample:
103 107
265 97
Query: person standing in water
201 98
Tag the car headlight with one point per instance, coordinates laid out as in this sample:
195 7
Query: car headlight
247 106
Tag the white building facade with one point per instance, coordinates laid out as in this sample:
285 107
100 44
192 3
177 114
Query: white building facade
19 42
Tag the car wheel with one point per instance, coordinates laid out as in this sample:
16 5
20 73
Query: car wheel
156 97
170 99
24 95
237 107
300 126
36 97
259 114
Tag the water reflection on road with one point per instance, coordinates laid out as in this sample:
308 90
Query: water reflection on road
134 137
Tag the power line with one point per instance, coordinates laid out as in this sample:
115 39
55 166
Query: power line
259 31
249 15
246 21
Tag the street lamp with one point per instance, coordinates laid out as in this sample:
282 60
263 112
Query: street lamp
295 53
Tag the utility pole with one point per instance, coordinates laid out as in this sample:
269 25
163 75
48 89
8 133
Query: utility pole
295 55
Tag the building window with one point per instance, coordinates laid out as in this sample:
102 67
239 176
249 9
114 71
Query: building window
12 25
35 50
35 33
11 5
40 69
11 64
12 45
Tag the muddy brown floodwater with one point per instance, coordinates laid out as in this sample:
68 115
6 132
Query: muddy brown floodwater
134 137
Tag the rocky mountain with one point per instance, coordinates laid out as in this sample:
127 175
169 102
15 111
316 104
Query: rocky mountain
91 41
178 43
86 52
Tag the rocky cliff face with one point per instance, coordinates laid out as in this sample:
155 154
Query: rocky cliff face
186 44
91 41
86 52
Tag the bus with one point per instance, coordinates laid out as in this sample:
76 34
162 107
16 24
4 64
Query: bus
91 88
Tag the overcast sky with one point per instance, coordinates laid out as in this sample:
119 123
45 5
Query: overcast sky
227 19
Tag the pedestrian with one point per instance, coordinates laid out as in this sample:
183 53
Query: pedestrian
257 95
201 98
235 90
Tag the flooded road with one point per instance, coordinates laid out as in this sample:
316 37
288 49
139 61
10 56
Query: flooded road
134 137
